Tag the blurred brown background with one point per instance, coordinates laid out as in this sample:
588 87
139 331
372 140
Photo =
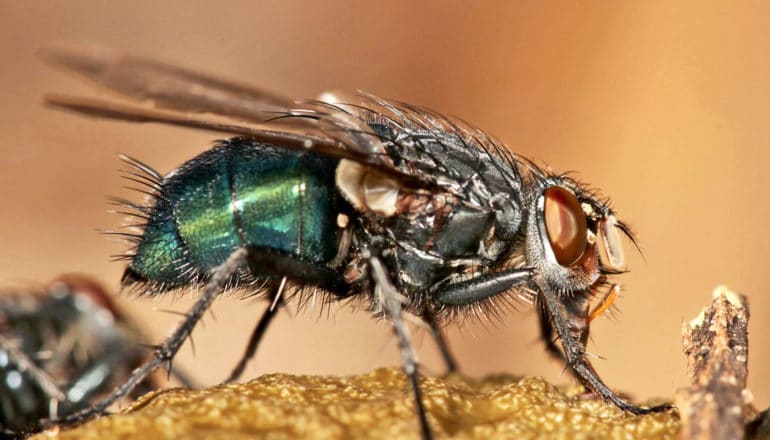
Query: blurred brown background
665 108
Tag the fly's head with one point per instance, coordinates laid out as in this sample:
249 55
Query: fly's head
573 237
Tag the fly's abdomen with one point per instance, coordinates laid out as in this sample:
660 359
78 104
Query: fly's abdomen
240 193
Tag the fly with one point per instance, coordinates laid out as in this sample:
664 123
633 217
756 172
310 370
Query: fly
357 198
62 348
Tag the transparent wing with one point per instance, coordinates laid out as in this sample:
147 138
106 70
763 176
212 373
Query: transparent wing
176 92
164 85
287 136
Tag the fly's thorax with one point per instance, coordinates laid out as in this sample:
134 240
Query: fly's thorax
571 236
434 233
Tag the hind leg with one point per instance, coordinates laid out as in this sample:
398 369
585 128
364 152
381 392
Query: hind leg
276 302
263 260
164 353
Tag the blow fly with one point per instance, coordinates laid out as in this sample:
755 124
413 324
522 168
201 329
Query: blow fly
352 197
62 348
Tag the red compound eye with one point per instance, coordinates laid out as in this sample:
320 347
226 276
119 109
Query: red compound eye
565 223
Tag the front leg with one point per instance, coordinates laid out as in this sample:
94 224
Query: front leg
481 287
577 313
547 332
574 351
468 292
391 302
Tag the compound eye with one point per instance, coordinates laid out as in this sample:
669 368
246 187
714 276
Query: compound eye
565 224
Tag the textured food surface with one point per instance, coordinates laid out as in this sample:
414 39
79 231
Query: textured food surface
375 405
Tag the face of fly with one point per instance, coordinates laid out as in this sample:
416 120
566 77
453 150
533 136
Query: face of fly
574 238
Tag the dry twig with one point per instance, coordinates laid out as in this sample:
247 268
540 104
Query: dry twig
716 346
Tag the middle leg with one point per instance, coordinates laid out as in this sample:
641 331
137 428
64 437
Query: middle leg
430 318
391 302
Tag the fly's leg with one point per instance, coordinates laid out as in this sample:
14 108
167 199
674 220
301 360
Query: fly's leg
165 352
276 302
183 378
438 336
391 301
263 260
549 338
471 291
481 287
546 331
574 352
578 319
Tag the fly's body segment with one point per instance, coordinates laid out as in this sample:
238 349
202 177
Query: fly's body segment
358 198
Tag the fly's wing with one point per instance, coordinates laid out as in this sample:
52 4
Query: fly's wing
166 86
175 92
283 135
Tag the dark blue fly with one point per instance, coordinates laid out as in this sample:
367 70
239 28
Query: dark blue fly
354 197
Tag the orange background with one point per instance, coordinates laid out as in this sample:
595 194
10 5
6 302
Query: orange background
664 107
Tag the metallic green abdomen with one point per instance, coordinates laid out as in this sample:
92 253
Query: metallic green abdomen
239 193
